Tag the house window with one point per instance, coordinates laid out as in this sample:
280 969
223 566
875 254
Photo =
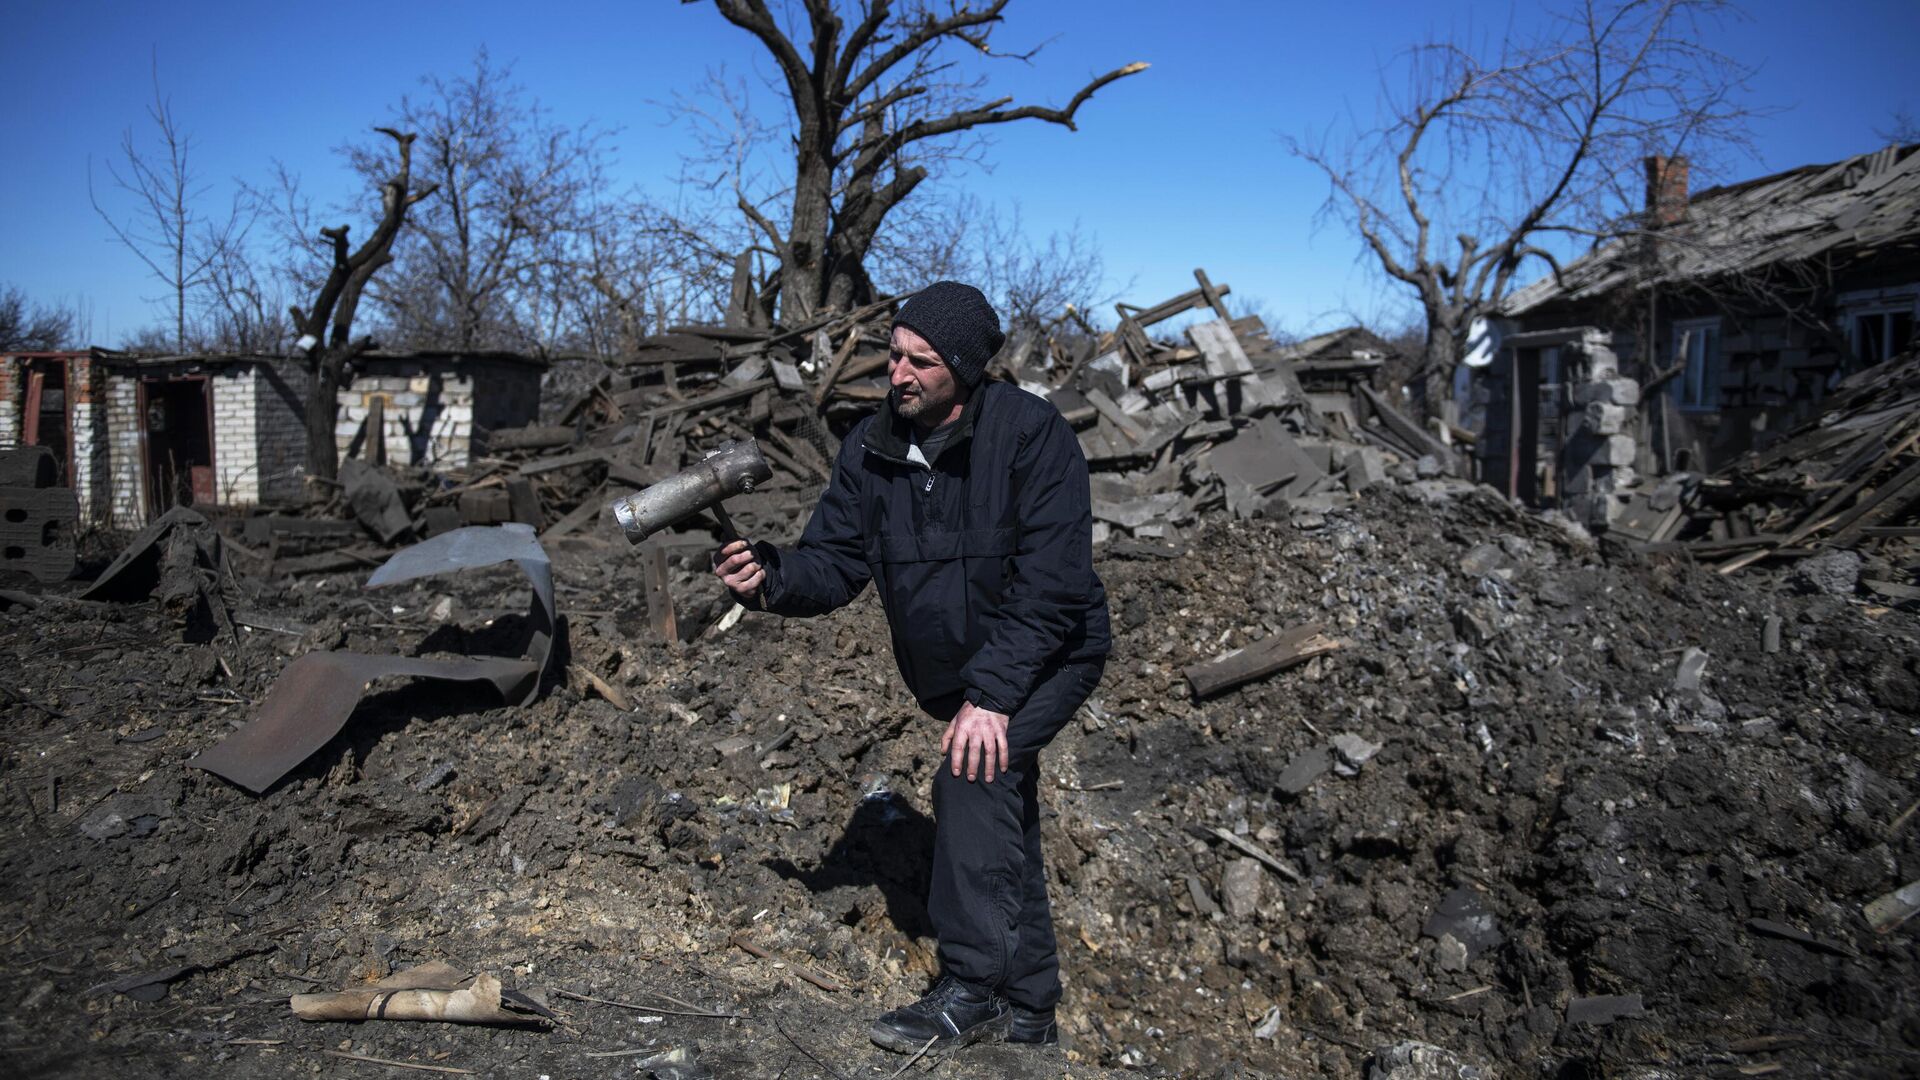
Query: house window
1879 336
1696 344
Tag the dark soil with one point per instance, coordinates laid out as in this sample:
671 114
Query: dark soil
1536 766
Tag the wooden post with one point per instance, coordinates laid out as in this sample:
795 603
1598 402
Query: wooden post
374 450
659 599
1211 294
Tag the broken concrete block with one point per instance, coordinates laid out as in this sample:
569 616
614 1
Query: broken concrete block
1604 419
1354 750
1890 910
1421 1061
1304 769
1835 573
1615 450
1241 885
1474 627
1484 559
1608 391
1604 1009
1693 664
1365 467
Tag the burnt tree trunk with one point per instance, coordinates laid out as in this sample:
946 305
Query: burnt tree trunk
327 326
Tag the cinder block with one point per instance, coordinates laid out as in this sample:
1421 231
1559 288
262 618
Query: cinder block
1604 419
1613 451
36 531
1601 363
1608 391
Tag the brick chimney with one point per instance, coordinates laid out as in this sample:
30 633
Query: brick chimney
1666 191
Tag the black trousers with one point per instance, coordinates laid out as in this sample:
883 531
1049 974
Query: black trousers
988 897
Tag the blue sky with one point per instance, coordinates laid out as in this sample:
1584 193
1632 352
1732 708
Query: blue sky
1182 166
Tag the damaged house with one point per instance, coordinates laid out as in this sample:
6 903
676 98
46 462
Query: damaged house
134 435
1714 330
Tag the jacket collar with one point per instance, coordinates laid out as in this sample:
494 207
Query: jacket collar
890 433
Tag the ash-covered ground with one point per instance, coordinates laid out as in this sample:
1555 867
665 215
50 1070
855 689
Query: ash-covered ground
1555 813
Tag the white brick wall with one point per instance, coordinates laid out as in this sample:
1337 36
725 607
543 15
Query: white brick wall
236 451
9 423
128 503
86 450
429 418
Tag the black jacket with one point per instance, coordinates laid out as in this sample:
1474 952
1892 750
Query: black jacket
984 562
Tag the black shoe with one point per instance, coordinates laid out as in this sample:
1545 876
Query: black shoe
952 1015
1033 1026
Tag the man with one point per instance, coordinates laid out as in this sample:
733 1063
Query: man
967 505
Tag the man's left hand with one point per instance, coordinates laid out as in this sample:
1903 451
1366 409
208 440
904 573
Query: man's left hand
980 737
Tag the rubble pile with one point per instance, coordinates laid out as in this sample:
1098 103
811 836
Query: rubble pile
1173 429
1509 808
1848 483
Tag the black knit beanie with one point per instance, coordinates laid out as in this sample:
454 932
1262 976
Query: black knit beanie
959 323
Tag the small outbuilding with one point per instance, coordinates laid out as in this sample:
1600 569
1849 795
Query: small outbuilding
134 435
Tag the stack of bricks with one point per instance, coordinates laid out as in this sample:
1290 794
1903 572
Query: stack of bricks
1597 460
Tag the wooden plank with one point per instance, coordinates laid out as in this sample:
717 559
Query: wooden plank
590 456
1709 547
1211 294
1854 487
1402 427
659 599
1889 499
709 400
1116 416
577 518
839 362
528 438
374 450
1277 652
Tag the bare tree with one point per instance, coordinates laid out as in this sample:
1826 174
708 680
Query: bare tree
28 327
871 113
326 327
1902 128
1485 161
165 228
478 267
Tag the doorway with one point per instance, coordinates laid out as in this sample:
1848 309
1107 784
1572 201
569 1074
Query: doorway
45 417
177 433
1510 448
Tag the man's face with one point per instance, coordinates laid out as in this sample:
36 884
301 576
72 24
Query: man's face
924 388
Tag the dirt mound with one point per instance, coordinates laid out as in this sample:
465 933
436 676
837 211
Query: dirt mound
1555 813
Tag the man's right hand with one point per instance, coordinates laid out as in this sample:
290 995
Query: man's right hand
739 571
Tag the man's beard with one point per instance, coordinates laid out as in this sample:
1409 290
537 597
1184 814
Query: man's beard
910 408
